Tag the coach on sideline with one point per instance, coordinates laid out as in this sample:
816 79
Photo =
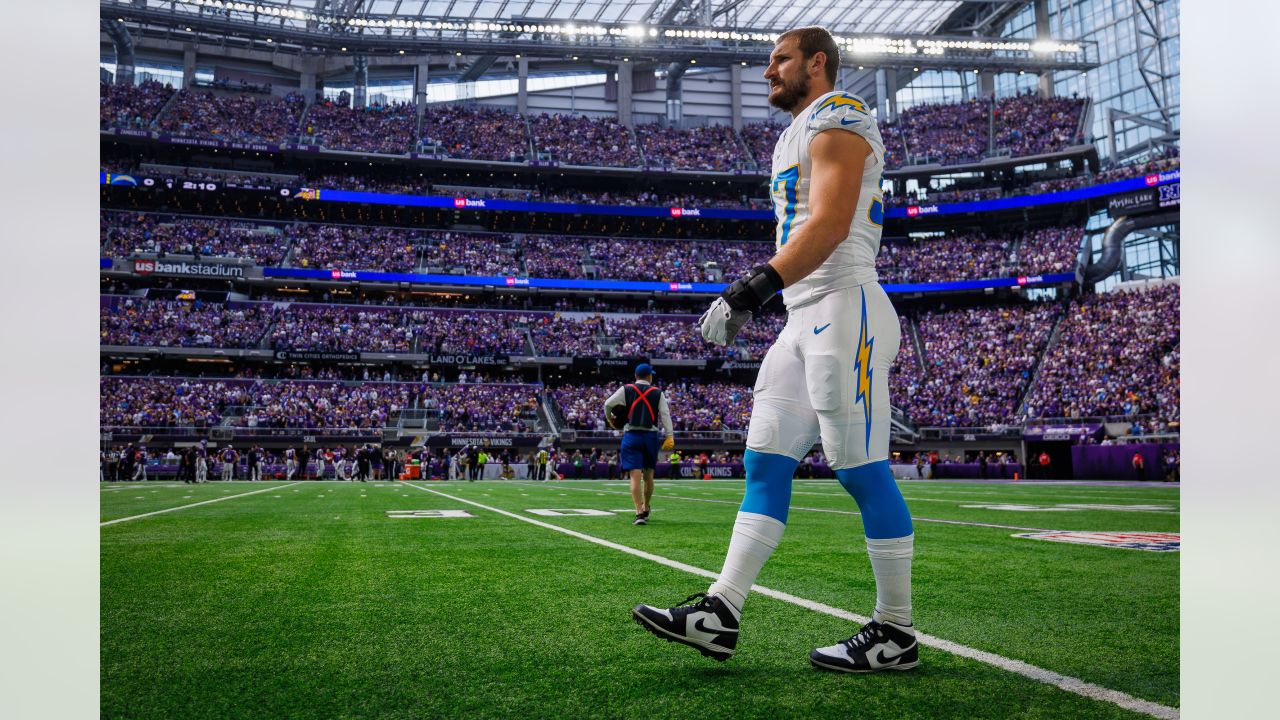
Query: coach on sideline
641 404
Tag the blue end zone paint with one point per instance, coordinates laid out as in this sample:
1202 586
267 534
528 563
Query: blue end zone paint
769 484
884 512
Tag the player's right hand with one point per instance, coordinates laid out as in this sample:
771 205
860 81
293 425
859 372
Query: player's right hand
720 323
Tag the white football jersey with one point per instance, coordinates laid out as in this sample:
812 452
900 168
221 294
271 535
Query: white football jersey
854 261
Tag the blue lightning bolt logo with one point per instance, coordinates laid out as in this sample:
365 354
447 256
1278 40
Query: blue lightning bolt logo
862 370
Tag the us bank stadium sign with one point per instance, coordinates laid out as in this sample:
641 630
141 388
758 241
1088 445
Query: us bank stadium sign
187 269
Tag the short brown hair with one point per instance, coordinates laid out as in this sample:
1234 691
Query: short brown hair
815 39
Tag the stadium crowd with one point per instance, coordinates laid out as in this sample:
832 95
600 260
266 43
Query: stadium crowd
374 129
1118 354
475 133
955 257
180 324
559 335
760 139
469 333
352 247
978 363
124 233
712 147
905 375
695 405
321 328
131 106
975 256
186 402
946 133
167 402
1028 124
959 132
581 140
676 338
238 118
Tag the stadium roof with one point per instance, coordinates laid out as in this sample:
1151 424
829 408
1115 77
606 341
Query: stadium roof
880 33
842 16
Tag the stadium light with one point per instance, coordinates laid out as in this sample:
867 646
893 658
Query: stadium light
570 31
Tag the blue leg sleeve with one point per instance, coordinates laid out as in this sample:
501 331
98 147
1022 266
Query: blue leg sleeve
768 484
884 512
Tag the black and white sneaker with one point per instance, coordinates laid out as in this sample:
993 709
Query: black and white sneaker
877 646
641 519
710 626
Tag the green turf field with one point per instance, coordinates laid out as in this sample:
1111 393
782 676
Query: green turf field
307 601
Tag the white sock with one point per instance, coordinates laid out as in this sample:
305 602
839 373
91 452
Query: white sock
754 539
891 564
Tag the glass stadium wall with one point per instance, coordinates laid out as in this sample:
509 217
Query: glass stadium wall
1132 35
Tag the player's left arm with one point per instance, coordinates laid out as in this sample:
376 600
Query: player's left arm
838 158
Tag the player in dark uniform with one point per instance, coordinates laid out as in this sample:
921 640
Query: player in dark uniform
252 458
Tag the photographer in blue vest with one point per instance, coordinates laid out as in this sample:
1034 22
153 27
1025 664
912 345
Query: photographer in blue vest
637 408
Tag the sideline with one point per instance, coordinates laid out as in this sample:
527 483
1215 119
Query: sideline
1062 682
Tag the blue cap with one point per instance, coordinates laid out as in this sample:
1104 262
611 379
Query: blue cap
644 370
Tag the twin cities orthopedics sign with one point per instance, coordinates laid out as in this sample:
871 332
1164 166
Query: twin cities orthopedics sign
314 355
188 269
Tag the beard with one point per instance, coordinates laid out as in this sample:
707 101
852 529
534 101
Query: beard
790 94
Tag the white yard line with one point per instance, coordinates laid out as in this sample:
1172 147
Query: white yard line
832 512
1027 670
191 505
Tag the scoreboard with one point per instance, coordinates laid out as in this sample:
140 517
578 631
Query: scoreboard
1145 200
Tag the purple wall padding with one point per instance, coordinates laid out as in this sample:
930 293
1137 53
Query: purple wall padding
1115 462
974 471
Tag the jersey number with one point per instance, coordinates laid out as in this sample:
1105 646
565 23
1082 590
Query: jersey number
786 183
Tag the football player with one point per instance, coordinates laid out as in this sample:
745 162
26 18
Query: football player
826 376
